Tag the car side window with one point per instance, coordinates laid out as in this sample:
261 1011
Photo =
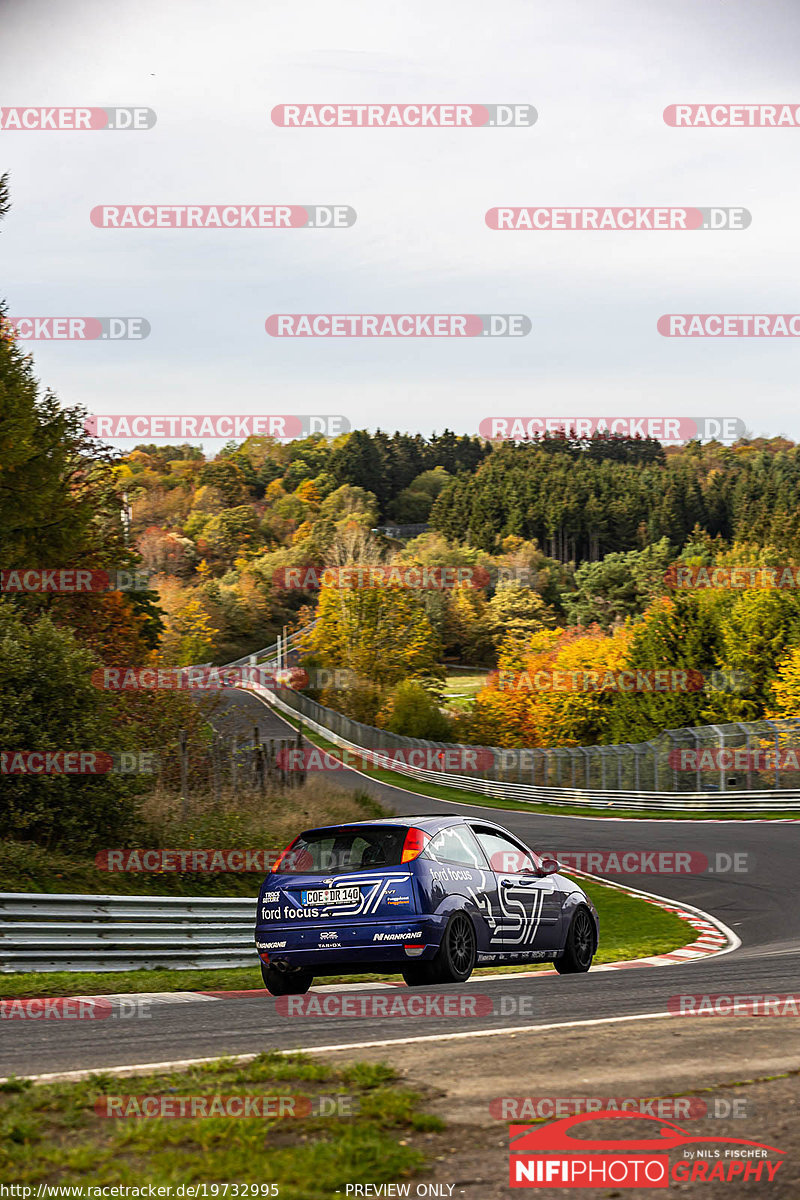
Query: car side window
456 844
505 857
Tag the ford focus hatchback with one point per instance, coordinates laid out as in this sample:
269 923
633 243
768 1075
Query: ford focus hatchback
429 898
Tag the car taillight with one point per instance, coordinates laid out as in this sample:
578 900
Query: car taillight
284 854
415 843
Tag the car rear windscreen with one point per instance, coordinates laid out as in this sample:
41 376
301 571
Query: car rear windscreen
355 848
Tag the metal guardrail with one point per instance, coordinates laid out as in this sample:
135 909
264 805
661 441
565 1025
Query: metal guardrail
46 932
401 533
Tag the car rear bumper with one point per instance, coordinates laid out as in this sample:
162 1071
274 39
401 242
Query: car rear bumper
379 943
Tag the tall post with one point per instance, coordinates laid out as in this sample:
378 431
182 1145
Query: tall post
256 745
215 768
184 757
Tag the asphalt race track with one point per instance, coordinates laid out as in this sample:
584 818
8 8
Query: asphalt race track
760 904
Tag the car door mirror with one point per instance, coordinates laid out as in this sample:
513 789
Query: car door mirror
547 866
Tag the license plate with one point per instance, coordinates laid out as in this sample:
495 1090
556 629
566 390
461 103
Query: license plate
337 895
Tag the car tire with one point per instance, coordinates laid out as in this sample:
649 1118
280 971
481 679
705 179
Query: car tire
286 983
580 948
455 959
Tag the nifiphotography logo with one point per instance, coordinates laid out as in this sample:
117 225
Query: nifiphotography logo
552 1156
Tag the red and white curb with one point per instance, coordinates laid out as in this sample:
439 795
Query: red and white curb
712 938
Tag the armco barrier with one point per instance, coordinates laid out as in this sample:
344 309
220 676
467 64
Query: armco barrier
45 932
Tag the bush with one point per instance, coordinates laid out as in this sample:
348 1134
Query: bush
413 711
50 704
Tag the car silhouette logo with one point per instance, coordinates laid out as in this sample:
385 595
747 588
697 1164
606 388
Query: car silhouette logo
557 1136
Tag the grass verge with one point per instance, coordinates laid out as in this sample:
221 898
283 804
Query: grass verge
52 1133
244 822
461 687
629 928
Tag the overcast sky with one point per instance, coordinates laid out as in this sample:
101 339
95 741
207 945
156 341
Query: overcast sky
599 75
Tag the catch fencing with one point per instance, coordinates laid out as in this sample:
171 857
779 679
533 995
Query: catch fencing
526 775
742 766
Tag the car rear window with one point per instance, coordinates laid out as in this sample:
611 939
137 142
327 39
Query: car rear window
356 848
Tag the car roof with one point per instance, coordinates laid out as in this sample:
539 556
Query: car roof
426 821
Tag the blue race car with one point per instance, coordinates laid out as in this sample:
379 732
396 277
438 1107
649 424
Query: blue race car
427 897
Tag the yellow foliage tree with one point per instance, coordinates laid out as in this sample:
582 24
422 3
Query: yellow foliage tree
786 688
556 691
380 633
